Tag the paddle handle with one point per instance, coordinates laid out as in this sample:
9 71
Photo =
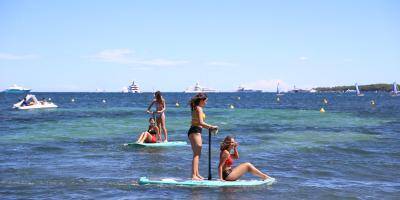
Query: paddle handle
209 154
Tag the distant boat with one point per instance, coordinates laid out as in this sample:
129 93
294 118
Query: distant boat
313 91
15 89
31 102
349 91
197 88
298 90
278 91
394 89
133 88
358 91
100 90
243 89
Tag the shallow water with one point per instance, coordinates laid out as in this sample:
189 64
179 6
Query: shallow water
76 150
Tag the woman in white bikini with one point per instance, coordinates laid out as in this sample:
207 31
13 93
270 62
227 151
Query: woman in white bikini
159 101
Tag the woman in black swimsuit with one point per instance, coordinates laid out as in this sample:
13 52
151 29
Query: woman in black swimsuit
149 136
196 104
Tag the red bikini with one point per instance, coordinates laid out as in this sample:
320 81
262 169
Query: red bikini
229 161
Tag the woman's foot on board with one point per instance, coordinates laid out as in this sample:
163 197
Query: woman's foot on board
195 178
200 177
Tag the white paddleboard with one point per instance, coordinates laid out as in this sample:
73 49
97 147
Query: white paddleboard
158 144
206 183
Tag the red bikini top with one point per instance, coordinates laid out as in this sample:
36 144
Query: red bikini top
229 161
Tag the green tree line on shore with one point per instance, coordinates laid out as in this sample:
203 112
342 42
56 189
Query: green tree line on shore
371 87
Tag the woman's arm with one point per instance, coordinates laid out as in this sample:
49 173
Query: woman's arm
199 112
151 104
221 164
235 154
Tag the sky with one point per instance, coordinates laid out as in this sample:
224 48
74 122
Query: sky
167 45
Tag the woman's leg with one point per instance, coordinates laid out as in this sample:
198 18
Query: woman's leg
196 142
158 120
148 137
243 168
164 128
141 137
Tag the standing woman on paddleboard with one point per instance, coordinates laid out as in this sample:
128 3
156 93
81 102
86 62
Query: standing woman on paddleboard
159 101
225 171
196 105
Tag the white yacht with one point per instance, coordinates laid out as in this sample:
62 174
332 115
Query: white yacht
197 88
16 89
31 102
133 88
243 89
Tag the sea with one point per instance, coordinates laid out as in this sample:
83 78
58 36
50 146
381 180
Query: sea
77 151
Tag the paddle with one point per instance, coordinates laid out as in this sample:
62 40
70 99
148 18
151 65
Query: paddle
210 131
209 155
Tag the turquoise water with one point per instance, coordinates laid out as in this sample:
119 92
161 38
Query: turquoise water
76 151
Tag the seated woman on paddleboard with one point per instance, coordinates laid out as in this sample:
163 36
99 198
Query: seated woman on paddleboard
159 101
225 170
196 104
149 136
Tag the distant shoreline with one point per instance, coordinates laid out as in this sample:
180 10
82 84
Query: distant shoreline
382 87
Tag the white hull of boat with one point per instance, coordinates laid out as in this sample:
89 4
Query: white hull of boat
35 106
48 105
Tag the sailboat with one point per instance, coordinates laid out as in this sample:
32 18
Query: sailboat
358 91
394 90
278 91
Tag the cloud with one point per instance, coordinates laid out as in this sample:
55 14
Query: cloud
267 85
303 58
221 64
126 56
8 56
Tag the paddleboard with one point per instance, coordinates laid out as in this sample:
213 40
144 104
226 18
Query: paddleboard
206 183
158 144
